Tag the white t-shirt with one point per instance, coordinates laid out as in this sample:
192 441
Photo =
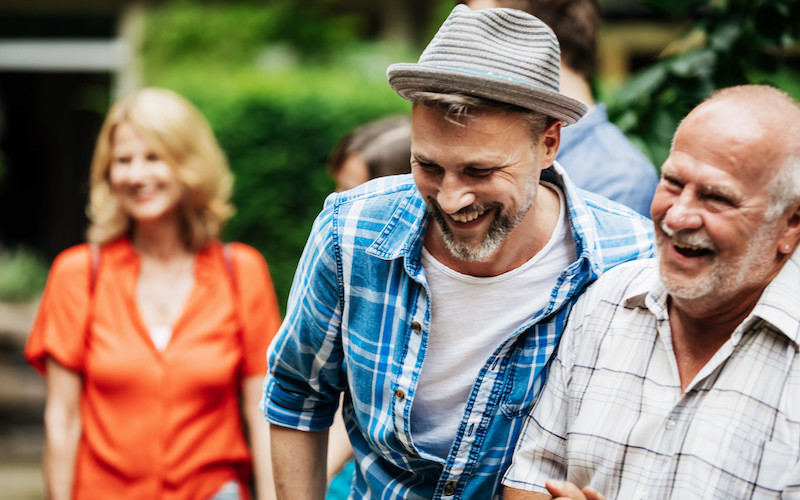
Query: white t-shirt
470 317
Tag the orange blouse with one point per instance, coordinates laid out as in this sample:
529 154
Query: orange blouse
157 424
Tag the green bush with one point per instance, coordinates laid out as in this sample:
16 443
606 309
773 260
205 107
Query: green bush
23 274
731 42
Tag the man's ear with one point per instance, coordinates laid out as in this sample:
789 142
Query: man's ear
550 141
791 233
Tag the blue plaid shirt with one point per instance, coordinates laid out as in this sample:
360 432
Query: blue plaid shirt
358 320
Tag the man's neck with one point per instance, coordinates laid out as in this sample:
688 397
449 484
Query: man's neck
575 86
698 332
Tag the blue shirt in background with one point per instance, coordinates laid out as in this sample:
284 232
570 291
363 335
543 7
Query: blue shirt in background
358 318
599 158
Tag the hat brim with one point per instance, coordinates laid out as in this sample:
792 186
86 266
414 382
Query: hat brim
406 77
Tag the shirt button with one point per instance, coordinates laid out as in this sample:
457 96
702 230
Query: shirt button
449 489
669 425
416 327
400 393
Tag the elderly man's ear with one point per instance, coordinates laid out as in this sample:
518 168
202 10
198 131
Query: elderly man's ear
791 233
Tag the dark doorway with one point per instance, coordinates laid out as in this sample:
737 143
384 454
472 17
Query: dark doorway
47 133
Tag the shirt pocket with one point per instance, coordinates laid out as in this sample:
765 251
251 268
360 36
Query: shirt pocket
525 375
779 466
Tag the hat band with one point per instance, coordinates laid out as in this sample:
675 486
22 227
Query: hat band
492 74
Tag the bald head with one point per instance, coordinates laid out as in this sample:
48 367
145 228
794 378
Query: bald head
757 126
726 210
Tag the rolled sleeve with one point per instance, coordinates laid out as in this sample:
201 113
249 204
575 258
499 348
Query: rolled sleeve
59 330
304 378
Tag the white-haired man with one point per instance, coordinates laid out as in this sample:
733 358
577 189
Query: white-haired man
435 302
679 377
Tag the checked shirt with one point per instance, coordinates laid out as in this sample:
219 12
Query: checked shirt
612 415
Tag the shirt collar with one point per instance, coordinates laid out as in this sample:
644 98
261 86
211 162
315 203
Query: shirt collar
582 219
779 304
404 230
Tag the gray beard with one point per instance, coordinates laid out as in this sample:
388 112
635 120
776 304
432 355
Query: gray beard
500 228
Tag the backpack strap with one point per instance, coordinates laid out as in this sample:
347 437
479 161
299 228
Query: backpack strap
94 265
230 266
227 254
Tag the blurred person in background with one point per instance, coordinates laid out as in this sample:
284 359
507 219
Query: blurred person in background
376 149
595 153
152 337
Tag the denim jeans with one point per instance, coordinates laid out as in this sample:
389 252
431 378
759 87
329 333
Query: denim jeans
229 491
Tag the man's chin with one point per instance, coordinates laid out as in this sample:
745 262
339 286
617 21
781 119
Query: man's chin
480 252
687 289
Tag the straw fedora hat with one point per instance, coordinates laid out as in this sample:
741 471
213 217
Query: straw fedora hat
504 55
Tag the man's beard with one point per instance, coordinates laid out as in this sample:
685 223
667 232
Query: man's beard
501 227
723 277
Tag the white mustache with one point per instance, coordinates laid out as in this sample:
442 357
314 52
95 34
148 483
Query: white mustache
695 238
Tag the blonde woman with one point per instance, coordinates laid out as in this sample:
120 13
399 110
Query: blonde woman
152 337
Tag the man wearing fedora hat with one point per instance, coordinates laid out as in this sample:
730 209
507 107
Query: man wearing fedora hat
434 301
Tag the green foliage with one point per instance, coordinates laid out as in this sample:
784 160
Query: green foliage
277 150
231 35
23 274
732 42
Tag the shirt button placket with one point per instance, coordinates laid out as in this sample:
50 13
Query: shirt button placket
449 489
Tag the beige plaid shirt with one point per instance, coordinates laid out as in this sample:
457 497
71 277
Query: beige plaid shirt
612 414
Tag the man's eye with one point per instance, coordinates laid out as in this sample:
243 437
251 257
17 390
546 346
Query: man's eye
427 167
716 198
479 172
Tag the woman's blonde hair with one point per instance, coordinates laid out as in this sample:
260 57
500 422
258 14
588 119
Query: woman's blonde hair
178 133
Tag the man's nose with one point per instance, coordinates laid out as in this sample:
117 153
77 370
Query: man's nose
454 194
684 213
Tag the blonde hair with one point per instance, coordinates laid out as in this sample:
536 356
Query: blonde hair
179 134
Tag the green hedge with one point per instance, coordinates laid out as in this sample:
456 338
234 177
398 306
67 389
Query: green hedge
731 42
23 273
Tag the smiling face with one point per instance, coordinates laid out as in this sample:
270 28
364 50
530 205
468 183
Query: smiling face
714 241
479 179
144 183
